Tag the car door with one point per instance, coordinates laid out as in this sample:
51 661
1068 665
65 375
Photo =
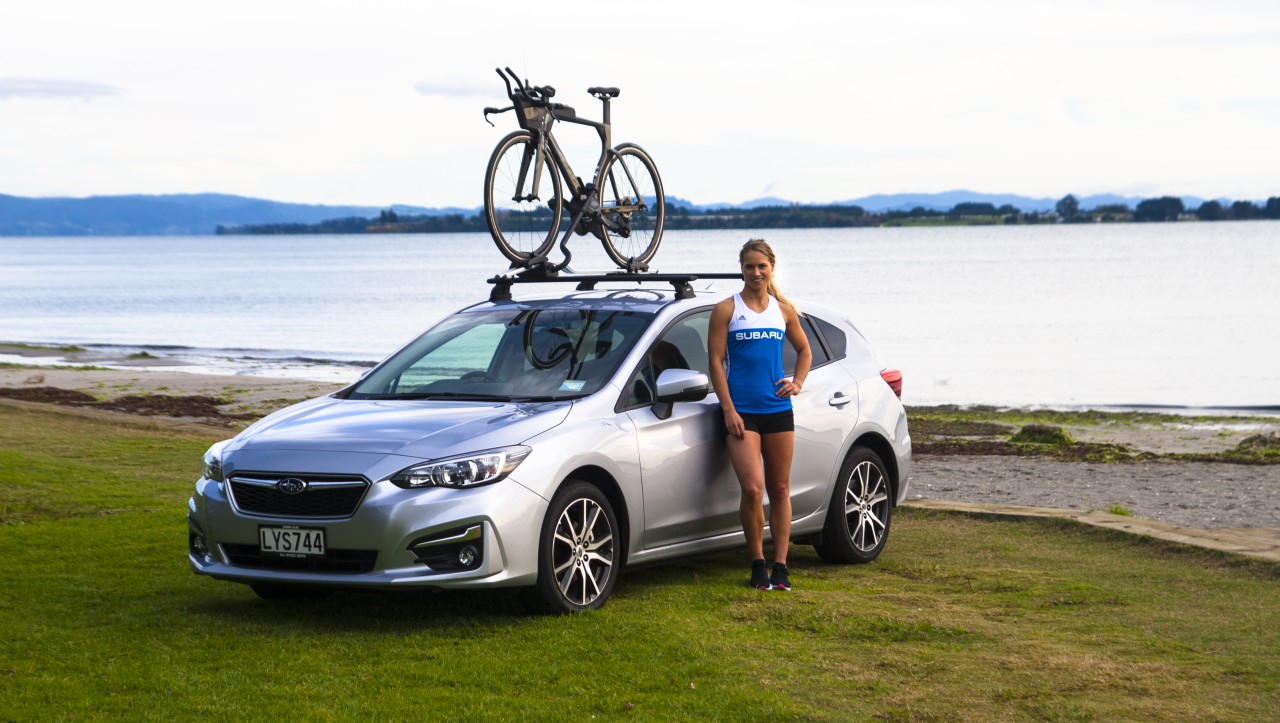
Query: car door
826 412
689 489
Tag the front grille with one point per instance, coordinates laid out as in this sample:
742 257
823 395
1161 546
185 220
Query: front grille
325 496
348 561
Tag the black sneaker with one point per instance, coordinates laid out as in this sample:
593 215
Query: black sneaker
778 579
760 575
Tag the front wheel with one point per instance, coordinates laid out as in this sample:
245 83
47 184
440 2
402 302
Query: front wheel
577 552
522 199
857 524
632 207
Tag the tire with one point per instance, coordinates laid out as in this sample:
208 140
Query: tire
522 229
577 552
633 208
861 509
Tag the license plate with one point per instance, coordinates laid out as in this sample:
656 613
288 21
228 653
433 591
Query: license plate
291 541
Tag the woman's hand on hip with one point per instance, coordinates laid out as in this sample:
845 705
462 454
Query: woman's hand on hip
787 387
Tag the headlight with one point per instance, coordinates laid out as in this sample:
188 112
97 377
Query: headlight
213 463
470 470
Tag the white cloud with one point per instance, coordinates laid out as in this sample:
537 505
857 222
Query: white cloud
54 89
378 103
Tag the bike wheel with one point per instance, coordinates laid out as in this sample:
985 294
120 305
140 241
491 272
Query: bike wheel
522 223
632 208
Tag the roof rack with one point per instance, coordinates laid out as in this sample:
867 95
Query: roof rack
587 282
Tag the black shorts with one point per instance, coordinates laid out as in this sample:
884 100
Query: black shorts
769 423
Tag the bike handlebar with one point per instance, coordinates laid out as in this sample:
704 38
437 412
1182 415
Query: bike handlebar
524 91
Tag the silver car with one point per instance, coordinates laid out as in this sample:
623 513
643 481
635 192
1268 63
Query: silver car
542 443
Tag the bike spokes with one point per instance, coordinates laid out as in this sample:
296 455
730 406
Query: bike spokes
632 208
522 224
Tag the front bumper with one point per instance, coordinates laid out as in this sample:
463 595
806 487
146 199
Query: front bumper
390 541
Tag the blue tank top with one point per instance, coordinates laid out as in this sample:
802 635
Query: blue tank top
755 358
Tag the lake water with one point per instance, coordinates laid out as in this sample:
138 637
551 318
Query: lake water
1183 315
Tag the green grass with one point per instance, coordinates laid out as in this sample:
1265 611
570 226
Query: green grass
41 347
962 618
1042 434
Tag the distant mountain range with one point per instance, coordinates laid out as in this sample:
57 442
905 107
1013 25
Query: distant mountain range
201 213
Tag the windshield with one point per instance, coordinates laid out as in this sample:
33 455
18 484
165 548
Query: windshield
509 355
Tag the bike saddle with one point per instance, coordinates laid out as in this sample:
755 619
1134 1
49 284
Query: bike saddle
604 92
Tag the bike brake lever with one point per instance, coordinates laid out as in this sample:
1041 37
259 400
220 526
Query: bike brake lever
491 110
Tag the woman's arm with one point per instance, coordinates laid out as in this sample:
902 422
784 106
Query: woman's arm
717 348
804 355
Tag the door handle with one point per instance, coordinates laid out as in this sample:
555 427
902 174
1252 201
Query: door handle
839 399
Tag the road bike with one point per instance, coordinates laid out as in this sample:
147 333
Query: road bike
530 188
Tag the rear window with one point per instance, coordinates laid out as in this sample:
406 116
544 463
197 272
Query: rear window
836 339
815 347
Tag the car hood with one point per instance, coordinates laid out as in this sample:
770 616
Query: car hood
427 429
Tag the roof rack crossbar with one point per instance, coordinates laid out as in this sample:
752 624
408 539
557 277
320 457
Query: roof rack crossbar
682 283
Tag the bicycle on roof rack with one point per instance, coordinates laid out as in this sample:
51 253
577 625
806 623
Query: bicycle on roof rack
529 185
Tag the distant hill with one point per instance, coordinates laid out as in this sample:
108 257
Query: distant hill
178 214
202 213
944 201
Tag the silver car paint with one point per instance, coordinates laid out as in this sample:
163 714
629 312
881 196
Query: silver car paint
678 492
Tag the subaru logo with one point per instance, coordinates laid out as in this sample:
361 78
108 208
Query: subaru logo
291 485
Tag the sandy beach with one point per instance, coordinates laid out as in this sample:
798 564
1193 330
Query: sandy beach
1202 495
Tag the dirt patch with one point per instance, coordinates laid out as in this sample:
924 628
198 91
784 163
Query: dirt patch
1198 495
1076 452
958 428
163 405
48 395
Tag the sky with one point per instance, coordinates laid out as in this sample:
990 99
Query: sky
380 102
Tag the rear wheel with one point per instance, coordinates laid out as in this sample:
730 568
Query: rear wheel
577 552
632 208
857 524
523 224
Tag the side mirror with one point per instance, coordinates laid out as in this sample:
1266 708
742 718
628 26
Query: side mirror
679 385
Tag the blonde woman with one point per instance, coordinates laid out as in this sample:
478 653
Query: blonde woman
744 346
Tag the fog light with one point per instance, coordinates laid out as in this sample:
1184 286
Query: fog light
461 548
198 545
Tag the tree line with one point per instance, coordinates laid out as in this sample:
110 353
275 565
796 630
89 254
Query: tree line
1066 210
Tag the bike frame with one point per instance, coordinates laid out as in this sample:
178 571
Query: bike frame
537 118
547 146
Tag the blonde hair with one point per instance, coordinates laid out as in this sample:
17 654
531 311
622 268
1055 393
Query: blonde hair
758 244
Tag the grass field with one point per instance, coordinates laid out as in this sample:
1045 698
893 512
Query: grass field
962 618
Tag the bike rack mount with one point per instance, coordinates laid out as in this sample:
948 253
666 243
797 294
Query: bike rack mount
682 283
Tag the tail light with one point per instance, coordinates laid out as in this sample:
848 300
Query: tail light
893 378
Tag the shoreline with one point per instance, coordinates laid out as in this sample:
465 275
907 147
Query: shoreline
284 364
308 366
42 373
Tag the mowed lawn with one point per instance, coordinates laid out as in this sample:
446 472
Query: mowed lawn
962 618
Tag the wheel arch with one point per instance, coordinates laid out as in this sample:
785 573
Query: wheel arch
600 478
884 450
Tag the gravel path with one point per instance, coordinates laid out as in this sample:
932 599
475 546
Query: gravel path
1201 495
